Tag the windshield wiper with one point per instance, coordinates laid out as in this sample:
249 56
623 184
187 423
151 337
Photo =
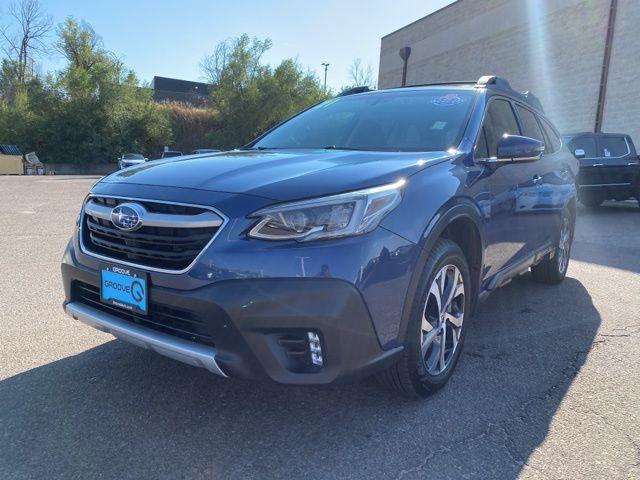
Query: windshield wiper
333 147
256 148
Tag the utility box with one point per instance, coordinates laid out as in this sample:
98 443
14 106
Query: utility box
33 164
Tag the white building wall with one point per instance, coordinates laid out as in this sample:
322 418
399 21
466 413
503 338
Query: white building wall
554 48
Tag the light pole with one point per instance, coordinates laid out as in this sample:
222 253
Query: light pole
325 65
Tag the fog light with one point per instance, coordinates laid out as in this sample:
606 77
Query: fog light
315 348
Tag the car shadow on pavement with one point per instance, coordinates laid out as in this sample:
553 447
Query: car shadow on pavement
115 411
608 236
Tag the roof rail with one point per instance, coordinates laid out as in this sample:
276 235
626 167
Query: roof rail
502 84
494 80
354 90
532 100
436 84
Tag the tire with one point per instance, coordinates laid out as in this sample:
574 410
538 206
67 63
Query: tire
418 374
553 270
591 201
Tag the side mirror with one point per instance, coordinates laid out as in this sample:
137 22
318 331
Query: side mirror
514 148
579 153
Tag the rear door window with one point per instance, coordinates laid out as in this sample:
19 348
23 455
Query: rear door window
554 142
530 127
588 144
498 121
612 147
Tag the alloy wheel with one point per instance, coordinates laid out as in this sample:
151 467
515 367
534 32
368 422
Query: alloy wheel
564 245
442 319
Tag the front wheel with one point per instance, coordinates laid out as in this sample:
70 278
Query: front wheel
553 270
592 200
435 333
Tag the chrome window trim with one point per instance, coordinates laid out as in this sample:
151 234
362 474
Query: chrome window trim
87 252
547 123
605 185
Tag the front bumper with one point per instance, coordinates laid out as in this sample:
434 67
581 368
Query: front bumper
247 322
167 345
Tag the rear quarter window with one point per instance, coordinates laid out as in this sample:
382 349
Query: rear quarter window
613 147
554 143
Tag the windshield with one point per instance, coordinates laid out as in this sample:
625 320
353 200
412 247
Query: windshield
132 156
419 120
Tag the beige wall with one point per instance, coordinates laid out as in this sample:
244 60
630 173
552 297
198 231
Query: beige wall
11 165
554 48
622 106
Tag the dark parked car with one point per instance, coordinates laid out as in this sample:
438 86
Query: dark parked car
356 237
609 167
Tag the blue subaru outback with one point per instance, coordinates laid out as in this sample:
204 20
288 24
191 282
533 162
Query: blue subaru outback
356 237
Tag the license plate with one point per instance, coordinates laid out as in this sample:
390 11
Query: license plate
124 288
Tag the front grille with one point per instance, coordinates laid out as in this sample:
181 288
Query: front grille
176 322
167 248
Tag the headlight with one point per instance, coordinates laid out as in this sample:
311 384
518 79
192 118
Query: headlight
341 215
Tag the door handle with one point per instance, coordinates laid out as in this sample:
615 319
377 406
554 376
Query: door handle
536 178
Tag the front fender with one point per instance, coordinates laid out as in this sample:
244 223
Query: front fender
458 208
436 200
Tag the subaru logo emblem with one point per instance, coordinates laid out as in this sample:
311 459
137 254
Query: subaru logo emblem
127 216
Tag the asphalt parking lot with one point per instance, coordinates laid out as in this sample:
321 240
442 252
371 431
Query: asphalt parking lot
548 386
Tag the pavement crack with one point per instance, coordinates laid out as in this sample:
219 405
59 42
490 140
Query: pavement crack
447 447
523 416
485 434
632 441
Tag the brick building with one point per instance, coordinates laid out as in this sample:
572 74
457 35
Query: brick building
555 48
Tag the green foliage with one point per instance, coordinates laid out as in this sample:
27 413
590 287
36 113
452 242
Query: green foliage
94 109
16 118
190 125
251 97
91 111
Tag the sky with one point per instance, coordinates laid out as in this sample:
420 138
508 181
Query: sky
170 37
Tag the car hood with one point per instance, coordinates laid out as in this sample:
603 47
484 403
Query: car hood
279 175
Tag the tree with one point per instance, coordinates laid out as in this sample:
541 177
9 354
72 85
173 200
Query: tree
100 111
235 61
90 111
79 44
361 75
251 97
25 37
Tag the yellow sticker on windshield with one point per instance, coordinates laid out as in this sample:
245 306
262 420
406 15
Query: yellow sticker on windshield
438 125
